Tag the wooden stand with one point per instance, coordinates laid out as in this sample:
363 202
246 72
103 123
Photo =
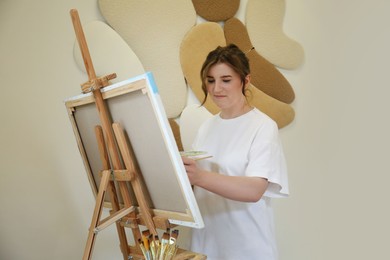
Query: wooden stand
113 135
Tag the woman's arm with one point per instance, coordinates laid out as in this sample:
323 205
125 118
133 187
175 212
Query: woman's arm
239 188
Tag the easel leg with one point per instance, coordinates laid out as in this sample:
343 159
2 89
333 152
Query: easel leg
96 216
120 229
112 191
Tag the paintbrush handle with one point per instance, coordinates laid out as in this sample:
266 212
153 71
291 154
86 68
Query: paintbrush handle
202 158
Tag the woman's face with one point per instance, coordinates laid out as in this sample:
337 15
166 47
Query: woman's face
225 87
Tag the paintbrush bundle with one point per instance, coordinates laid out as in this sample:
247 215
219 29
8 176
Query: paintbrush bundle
155 249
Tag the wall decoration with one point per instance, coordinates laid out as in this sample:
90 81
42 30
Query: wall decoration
264 75
110 53
216 10
264 20
167 41
194 48
271 92
175 127
154 30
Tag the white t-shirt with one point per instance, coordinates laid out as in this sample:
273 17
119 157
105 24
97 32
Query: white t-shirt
247 145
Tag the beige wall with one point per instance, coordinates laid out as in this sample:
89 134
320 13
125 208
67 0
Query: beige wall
337 147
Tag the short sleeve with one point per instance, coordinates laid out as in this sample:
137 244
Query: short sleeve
266 159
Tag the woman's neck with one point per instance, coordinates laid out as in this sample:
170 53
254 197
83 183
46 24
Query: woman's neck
235 111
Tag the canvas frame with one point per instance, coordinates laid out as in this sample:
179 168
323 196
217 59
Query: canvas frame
136 105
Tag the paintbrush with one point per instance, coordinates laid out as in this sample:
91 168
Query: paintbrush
158 246
141 245
153 247
173 237
145 238
202 158
172 247
163 246
146 242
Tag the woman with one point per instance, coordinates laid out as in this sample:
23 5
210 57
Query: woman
234 188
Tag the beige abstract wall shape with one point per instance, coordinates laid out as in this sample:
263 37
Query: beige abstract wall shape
154 30
264 22
110 53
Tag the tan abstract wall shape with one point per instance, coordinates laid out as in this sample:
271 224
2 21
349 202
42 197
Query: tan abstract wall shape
216 10
264 22
176 133
264 75
283 114
198 42
154 30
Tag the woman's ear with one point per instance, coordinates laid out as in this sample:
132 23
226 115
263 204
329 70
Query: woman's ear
247 79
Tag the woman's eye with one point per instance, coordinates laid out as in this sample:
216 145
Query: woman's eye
226 80
210 81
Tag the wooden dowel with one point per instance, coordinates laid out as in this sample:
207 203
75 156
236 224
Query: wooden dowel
113 218
82 44
119 175
102 148
100 104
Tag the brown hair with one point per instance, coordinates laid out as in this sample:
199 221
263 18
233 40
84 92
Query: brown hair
232 56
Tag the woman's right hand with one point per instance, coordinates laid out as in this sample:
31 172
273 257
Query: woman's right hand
192 169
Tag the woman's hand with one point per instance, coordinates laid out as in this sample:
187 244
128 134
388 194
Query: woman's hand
192 169
239 188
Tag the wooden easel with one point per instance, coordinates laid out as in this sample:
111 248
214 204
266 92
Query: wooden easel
120 173
110 137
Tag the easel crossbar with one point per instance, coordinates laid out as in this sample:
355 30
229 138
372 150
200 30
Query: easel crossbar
113 218
119 175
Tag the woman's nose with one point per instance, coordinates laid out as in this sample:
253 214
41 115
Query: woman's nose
217 86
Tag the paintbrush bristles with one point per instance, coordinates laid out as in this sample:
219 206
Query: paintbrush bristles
155 249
